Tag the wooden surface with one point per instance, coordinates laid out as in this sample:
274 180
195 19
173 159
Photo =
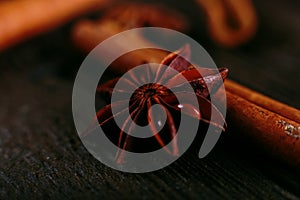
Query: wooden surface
42 156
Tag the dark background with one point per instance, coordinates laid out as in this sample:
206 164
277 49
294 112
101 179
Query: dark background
42 156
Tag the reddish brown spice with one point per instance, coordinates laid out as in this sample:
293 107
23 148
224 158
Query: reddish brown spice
159 92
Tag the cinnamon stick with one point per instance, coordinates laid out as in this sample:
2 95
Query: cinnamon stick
263 101
23 19
87 34
275 133
273 125
230 22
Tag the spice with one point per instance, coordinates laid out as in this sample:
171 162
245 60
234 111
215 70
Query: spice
156 89
23 19
230 22
263 101
132 15
87 34
249 113
270 130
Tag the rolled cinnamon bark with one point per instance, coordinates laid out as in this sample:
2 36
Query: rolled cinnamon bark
87 34
273 132
241 13
263 101
23 19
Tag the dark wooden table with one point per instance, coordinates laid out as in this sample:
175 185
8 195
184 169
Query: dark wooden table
42 156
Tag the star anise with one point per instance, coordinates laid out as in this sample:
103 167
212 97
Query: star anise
159 86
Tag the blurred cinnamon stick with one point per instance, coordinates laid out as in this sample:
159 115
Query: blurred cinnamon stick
22 19
230 22
87 34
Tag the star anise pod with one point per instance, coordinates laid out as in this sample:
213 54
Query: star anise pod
159 86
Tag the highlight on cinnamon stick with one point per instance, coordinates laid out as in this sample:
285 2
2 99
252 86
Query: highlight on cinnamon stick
273 125
23 19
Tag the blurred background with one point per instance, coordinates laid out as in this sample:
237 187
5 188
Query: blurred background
41 154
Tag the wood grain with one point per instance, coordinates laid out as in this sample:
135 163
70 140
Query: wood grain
42 156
